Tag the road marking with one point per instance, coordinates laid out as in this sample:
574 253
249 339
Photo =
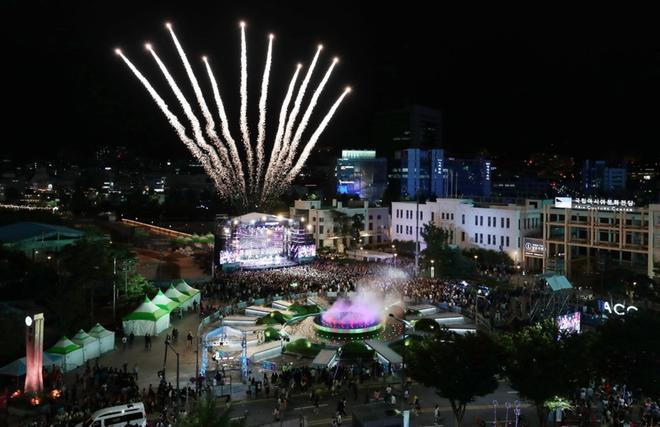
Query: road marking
300 408
512 392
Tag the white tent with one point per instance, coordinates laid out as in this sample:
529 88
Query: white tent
72 353
90 345
194 294
106 338
164 302
180 298
18 367
148 318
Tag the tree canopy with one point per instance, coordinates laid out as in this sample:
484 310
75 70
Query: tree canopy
458 367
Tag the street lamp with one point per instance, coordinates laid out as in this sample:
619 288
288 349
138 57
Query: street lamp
432 269
405 324
178 394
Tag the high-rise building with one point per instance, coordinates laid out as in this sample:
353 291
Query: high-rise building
430 173
361 173
417 170
410 127
467 177
598 178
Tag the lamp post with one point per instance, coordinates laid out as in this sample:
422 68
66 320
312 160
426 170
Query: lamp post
405 324
432 269
178 395
494 412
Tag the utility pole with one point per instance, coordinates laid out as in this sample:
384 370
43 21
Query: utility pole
114 289
178 394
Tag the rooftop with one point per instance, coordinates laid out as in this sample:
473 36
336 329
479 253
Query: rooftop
31 230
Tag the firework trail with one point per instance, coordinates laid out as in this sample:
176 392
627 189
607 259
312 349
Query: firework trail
315 136
224 125
305 120
280 129
175 123
245 131
261 135
197 130
210 124
261 183
294 112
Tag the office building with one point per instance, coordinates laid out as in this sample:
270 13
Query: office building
499 227
410 127
600 179
332 225
592 235
360 173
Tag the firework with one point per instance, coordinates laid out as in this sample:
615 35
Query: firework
256 177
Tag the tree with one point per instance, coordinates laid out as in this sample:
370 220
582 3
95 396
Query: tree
357 226
459 367
628 349
449 262
539 365
205 413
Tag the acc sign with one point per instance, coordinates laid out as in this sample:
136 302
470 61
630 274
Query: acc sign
618 309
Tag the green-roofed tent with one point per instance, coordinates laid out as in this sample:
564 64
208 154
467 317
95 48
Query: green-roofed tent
194 294
177 296
148 318
90 345
164 302
557 282
106 338
72 353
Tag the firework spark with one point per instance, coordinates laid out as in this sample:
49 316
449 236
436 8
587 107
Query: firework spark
260 182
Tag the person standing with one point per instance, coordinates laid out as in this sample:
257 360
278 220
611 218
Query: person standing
436 414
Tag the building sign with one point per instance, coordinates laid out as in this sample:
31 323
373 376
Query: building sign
619 309
614 205
563 202
534 248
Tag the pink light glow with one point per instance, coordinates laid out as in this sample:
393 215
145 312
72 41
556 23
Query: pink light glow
350 314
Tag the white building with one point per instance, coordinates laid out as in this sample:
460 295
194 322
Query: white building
328 224
498 227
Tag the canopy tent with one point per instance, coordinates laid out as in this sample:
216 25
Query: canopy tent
71 353
177 296
557 282
148 318
18 367
106 338
194 294
164 302
90 345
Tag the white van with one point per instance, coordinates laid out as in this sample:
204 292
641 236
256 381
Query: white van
119 416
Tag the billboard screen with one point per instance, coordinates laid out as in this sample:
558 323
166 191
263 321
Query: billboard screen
569 323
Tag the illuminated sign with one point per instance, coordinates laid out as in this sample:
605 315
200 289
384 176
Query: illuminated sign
619 309
614 205
534 248
563 202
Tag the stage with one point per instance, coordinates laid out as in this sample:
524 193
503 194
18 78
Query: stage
258 241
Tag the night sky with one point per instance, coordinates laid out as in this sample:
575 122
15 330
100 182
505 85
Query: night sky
584 83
